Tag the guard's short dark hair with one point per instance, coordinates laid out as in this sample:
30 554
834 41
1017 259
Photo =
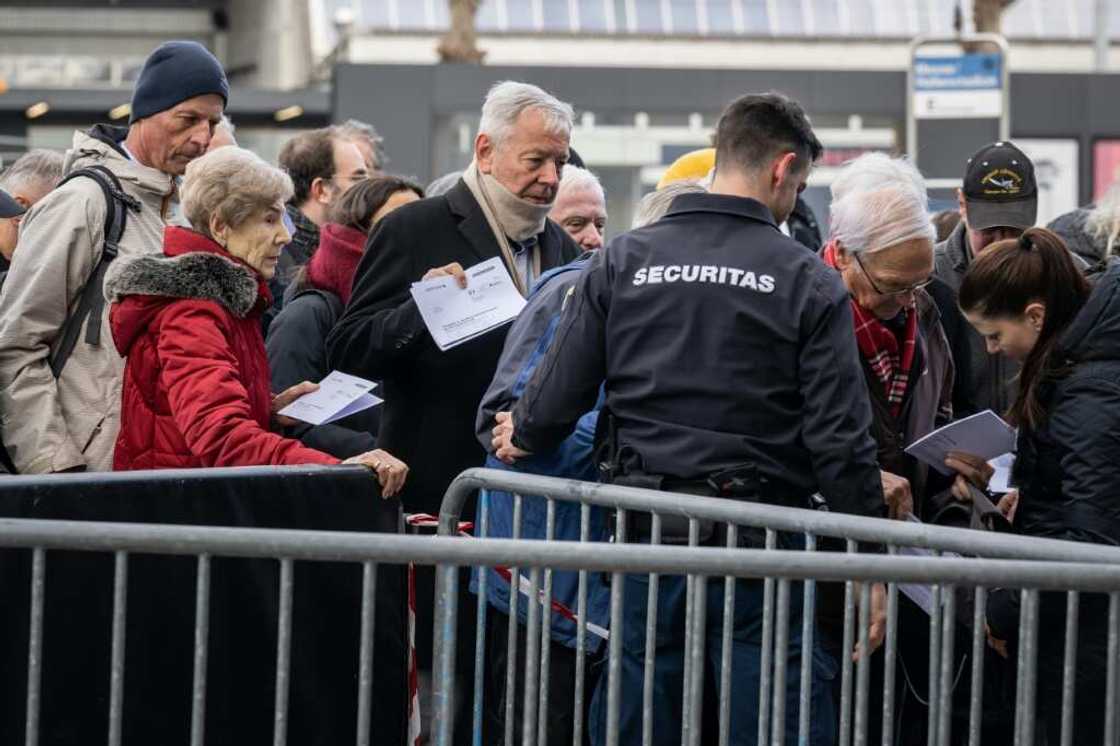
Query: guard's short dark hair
756 128
306 157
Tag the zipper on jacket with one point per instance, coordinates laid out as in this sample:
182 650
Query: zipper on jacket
93 435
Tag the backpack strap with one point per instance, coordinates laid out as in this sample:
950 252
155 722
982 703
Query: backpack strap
91 302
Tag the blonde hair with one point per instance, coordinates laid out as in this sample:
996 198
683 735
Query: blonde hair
653 206
1103 220
233 184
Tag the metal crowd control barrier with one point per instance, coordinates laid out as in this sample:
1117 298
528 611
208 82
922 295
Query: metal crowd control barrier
1002 560
290 546
1051 566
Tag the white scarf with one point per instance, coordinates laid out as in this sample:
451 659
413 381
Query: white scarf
509 216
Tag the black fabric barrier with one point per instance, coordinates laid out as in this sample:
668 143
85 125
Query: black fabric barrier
241 679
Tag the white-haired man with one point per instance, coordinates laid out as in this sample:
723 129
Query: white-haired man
26 181
581 207
882 244
498 209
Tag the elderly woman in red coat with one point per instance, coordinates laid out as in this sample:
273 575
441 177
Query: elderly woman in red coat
196 385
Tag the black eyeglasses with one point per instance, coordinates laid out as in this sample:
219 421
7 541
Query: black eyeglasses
903 291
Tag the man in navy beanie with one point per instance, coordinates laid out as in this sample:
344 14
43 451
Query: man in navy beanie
182 93
67 420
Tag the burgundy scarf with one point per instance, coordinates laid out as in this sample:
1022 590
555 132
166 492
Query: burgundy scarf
334 263
890 359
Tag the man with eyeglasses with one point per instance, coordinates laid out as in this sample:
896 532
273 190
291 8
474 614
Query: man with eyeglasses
323 164
882 246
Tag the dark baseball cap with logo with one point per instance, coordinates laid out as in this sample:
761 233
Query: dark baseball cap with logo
1000 190
9 208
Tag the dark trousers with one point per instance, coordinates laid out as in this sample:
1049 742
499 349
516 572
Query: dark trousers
911 683
669 665
559 710
1091 668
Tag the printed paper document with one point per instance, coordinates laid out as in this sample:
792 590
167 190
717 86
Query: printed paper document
1001 478
454 315
983 434
339 395
922 595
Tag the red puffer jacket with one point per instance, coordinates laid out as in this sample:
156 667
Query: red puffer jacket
196 383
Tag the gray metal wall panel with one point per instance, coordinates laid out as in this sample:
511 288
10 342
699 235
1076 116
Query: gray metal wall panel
410 99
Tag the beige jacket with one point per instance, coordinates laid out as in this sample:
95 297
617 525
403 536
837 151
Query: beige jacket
50 425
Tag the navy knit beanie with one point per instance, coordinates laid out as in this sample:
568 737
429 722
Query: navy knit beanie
174 72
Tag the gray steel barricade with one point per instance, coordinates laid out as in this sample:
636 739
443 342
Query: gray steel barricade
1001 560
1084 569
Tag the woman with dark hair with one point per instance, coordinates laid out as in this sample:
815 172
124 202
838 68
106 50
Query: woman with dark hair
313 302
1030 301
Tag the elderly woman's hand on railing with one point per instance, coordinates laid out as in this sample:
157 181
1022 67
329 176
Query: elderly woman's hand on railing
391 471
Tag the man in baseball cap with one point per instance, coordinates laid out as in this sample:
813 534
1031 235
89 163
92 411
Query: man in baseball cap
9 208
998 199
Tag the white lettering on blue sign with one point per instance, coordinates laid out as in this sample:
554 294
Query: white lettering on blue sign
961 86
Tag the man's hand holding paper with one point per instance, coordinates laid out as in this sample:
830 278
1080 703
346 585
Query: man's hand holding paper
459 306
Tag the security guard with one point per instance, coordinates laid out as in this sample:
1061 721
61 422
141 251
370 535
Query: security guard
730 370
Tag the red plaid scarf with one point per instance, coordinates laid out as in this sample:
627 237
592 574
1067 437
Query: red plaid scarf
890 360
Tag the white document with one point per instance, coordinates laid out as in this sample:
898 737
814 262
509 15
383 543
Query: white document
454 315
1001 477
922 595
339 395
983 434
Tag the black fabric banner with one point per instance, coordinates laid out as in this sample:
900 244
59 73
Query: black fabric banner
243 614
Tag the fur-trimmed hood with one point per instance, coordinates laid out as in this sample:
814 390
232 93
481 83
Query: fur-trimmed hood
196 276
193 267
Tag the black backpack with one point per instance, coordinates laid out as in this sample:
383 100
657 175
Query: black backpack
91 303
